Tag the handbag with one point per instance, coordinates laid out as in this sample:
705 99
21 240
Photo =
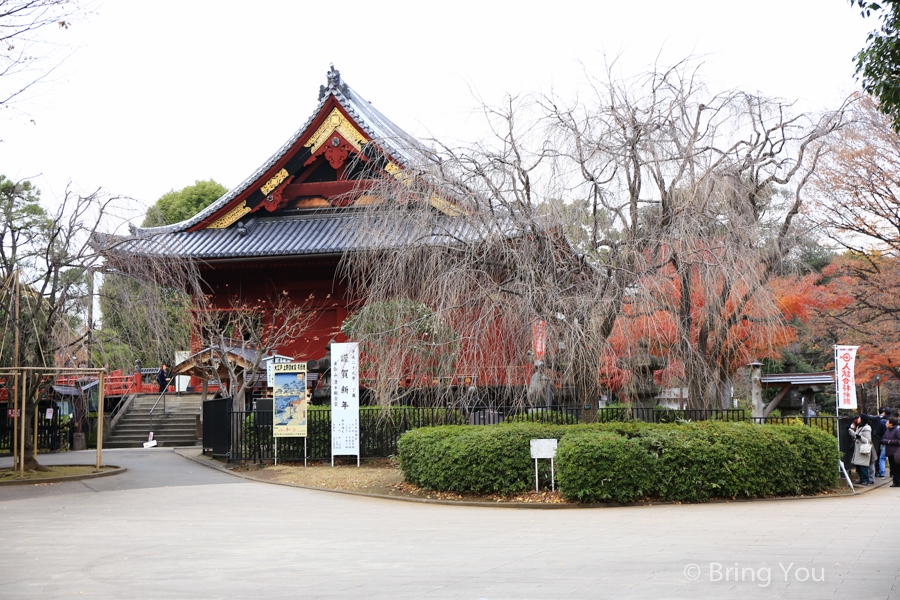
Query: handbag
865 447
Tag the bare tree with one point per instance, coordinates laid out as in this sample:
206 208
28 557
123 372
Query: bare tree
654 213
240 337
51 256
26 56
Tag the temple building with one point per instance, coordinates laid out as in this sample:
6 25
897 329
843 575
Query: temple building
285 228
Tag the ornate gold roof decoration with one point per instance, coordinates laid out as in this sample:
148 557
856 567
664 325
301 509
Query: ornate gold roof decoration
336 122
445 206
233 215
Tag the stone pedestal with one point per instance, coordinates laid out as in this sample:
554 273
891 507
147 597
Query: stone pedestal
78 442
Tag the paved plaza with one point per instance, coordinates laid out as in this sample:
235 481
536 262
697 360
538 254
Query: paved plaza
170 528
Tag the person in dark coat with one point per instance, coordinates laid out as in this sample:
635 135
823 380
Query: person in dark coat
878 429
891 443
162 378
881 429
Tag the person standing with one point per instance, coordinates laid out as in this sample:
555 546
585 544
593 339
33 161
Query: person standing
891 443
882 427
162 378
861 433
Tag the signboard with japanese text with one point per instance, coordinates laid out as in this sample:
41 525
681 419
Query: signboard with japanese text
270 372
289 400
345 399
844 376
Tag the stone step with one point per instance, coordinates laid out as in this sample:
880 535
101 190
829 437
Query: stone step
191 424
144 436
183 410
143 433
159 444
177 426
137 419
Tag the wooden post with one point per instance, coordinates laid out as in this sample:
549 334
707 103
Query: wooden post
22 437
16 424
100 420
35 423
758 410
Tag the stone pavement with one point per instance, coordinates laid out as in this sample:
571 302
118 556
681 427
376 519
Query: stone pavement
169 528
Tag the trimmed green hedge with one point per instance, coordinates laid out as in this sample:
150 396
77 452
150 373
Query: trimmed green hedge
624 462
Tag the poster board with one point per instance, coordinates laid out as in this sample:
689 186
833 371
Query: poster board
345 399
290 399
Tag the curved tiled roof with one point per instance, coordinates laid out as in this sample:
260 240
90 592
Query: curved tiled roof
296 236
396 142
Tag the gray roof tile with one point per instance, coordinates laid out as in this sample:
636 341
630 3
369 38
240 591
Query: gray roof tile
290 236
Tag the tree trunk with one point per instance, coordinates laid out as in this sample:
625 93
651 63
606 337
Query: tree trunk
237 401
30 455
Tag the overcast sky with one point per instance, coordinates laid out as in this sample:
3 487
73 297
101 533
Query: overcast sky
156 95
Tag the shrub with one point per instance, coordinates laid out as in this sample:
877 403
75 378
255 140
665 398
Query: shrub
479 458
697 461
623 462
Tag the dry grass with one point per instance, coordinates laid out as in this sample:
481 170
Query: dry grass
54 471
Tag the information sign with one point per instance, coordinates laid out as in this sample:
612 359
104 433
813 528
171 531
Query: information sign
289 400
543 449
345 400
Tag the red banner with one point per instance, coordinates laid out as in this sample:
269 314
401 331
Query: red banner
538 339
845 376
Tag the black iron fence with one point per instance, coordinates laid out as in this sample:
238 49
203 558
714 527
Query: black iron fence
248 435
379 432
51 433
829 424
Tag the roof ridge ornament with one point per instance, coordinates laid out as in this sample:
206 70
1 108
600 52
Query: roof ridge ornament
335 83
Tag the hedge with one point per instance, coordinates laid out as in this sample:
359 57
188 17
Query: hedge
624 462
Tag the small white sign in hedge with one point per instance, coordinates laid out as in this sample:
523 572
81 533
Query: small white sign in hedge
543 449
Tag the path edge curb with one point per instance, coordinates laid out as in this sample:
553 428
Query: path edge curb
115 471
510 505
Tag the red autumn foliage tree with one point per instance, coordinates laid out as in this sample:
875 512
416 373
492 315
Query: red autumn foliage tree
858 193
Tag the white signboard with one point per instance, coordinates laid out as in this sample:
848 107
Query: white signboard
345 400
543 448
844 375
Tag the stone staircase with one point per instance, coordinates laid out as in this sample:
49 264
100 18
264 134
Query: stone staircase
176 427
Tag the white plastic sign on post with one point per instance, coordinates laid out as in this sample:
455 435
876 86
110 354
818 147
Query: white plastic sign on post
543 449
345 400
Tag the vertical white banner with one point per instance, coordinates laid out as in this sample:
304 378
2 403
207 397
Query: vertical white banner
344 399
844 376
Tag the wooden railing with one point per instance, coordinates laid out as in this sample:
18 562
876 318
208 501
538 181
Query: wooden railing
119 384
